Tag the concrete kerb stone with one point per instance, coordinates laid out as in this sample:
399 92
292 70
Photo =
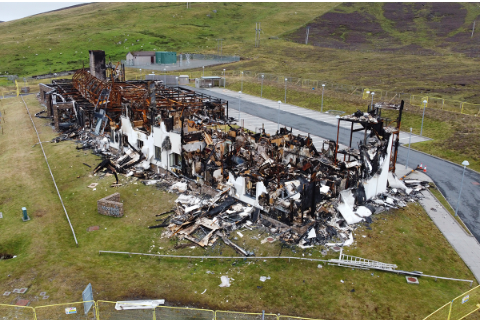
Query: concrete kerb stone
111 206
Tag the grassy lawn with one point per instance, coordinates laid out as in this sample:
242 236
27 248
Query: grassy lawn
48 260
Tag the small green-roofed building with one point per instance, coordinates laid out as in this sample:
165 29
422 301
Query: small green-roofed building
166 57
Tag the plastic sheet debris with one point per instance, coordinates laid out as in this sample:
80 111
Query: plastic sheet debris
225 281
138 304
264 278
179 186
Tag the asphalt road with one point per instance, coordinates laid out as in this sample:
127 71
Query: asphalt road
446 175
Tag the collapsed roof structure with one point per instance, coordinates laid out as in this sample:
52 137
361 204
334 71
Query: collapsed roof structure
308 196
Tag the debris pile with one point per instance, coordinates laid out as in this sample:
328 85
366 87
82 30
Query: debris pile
228 177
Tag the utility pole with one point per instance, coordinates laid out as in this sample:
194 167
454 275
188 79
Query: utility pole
306 37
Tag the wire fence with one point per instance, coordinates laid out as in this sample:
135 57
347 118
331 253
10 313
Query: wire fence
459 308
106 310
16 312
361 92
71 311
109 310
15 87
382 95
20 86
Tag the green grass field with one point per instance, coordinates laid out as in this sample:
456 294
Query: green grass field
48 260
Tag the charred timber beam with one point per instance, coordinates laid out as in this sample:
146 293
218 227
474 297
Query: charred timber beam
397 142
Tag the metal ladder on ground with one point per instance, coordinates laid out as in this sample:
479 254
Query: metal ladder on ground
357 262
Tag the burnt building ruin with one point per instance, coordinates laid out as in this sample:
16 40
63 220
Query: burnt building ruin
174 134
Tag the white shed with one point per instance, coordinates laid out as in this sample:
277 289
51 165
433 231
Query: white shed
140 58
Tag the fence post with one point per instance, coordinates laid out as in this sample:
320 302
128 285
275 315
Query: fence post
97 313
450 311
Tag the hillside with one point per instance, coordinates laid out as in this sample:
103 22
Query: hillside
410 48
408 28
60 40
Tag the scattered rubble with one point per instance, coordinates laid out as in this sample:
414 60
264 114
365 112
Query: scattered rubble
228 178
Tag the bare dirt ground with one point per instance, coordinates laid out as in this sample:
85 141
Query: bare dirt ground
409 28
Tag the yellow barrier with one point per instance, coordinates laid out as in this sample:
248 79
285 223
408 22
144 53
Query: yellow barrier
231 315
71 311
470 108
16 312
465 304
106 311
173 313
292 318
459 308
441 313
18 89
365 94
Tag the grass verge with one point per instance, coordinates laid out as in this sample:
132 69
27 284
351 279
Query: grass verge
48 260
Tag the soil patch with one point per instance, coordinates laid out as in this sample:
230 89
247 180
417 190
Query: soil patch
5 256
40 213
400 28
354 30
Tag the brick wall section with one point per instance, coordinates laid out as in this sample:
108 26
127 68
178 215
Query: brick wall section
45 98
111 206
43 89
56 112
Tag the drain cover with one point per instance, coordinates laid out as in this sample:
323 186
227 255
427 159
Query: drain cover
413 280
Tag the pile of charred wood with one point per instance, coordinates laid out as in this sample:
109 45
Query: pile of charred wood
229 177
